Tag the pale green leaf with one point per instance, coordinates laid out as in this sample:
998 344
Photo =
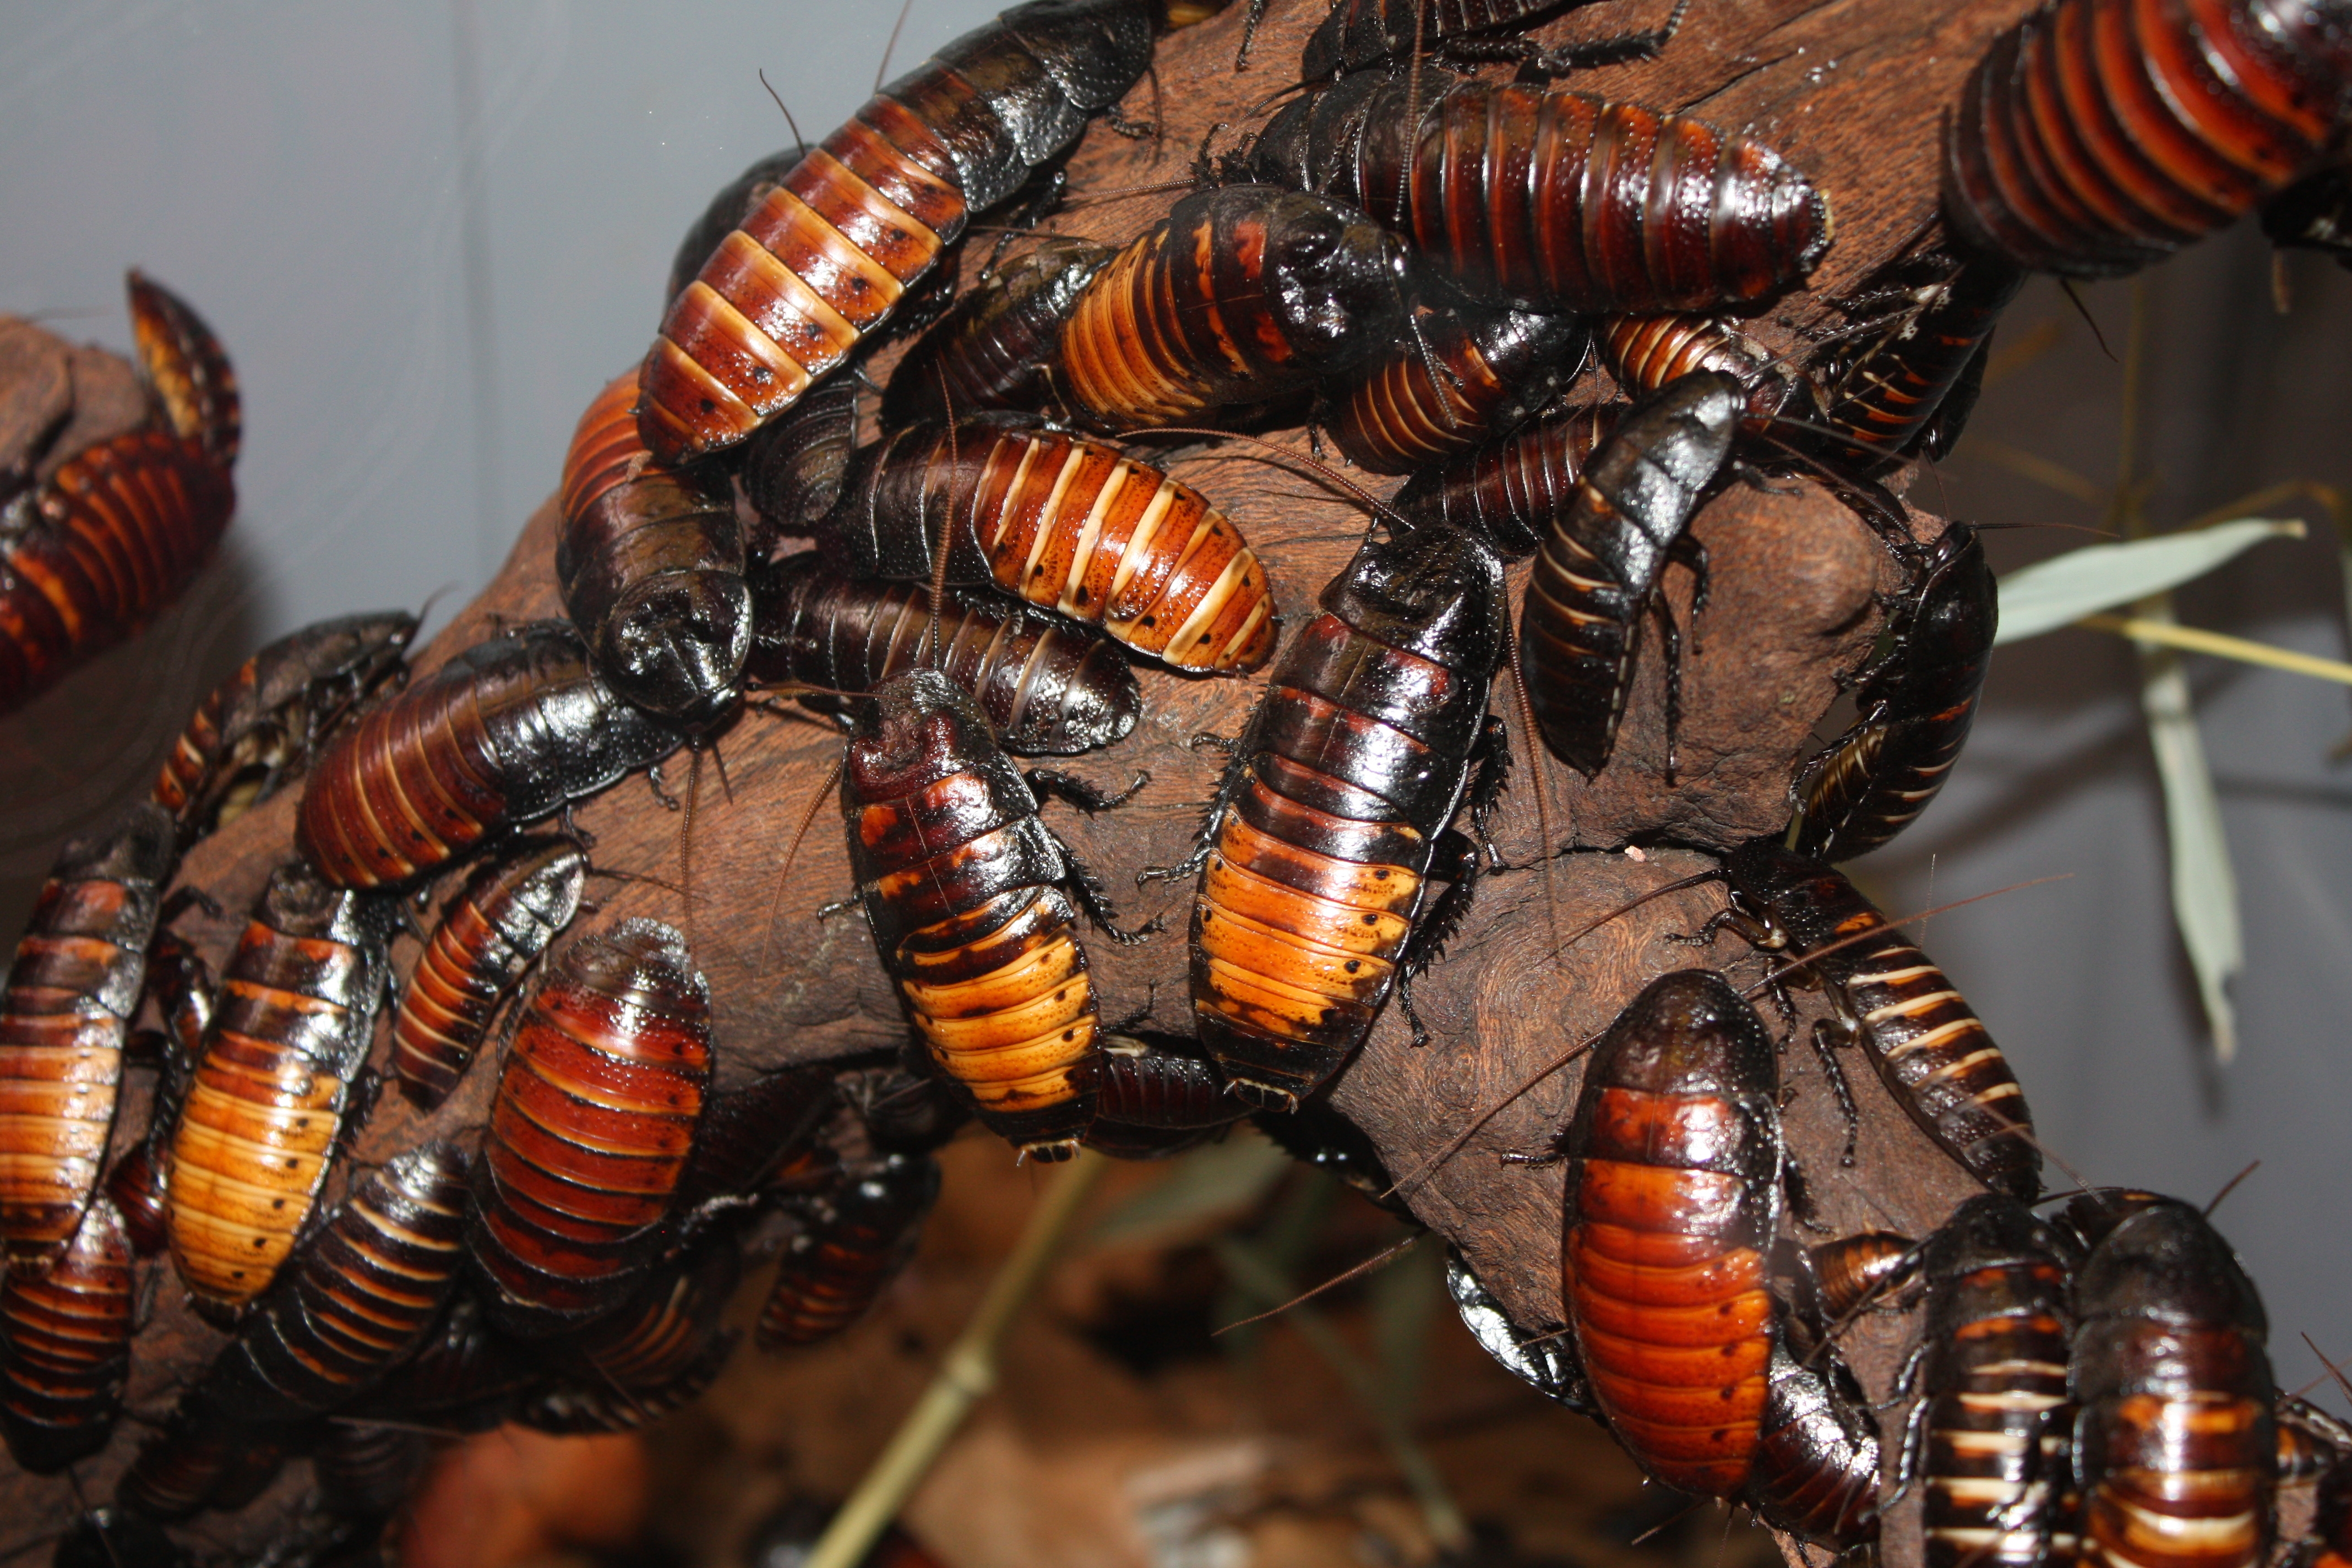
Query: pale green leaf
2063 589
1215 1180
2204 890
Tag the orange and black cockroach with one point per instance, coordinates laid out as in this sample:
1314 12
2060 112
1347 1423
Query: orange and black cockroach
1658 212
999 346
1644 354
1599 573
110 1537
263 725
1359 33
1816 1472
729 206
188 374
1318 850
1931 1048
1507 492
1068 524
65 1017
664 1330
973 903
1463 376
181 983
1049 688
1914 704
1866 1269
826 256
598 1102
364 1471
65 1346
1544 1361
1908 387
1240 295
1158 1099
2096 137
507 732
853 1241
360 1293
494 929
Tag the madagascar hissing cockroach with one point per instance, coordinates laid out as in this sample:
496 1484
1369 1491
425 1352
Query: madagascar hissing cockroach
598 1102
117 1538
507 732
2096 137
729 206
364 1471
64 1014
1241 294
194 387
183 1462
1049 688
1600 573
1866 1270
570 1408
264 722
1915 705
494 929
65 1346
1815 1472
1929 1047
999 346
906 1109
1317 851
296 1016
973 903
1646 353
1883 403
826 256
1507 492
751 1130
795 467
2310 1441
664 1329
1068 524
1363 33
1492 369
1640 212
182 984
1154 1101
853 1242
2328 1542
1546 1362
464 1377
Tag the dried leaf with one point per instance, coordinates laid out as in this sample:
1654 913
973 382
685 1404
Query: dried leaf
2063 589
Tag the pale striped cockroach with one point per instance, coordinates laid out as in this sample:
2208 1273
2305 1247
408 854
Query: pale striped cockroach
507 732
1068 524
65 1346
296 1016
140 1183
494 928
1492 370
999 346
852 1242
1358 34
1507 492
1912 383
64 1014
1646 353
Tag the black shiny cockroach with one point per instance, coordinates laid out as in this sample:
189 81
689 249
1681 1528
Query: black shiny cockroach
506 732
2328 1542
1316 851
65 1016
2096 137
1358 34
1816 1470
853 1242
2314 214
363 1471
1507 492
277 1073
494 928
1644 354
1153 1101
1634 212
793 470
1049 688
1317 1136
261 726
140 1183
1544 1361
973 903
1462 377
1885 400
906 1109
65 1346
1000 346
1915 705
1933 1053
826 256
1600 569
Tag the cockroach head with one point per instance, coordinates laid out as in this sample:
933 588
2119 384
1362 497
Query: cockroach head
1432 589
918 727
676 648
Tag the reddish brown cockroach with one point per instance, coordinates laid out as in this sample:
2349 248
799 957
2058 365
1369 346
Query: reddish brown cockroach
65 1346
853 1241
1492 369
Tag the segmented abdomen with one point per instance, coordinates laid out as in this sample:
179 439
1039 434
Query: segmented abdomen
1998 1431
65 1346
1001 344
1816 1466
1644 354
855 1242
365 1472
1495 367
1882 401
187 370
1507 492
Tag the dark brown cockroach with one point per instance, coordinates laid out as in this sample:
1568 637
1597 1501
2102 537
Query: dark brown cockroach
361 1292
1000 346
262 724
1363 33
1242 294
974 902
2314 214
570 1408
1546 1362
1049 688
1316 851
733 202
507 732
1858 1272
1156 1101
65 1346
853 1243
296 1016
363 1471
1915 705
598 1102
906 1109
1634 212
2310 1441
464 1377
1069 525
1817 1453
748 1133
1599 574
65 1015
182 984
2097 136
1932 1051
1507 492
185 1462
494 929
826 256
664 1331
795 467
1883 404
2328 1544
1462 377
1646 353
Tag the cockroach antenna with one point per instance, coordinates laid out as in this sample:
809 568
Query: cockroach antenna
793 125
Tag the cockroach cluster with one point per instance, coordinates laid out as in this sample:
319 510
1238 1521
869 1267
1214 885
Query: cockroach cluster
1428 262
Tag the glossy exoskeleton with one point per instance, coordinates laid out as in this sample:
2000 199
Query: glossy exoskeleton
999 346
664 1331
1049 688
139 1182
296 1016
494 928
2097 136
2328 1542
65 1346
1546 1362
464 1377
570 1408
1817 1451
65 1016
1913 705
1911 384
1152 1085
1363 33
504 733
1507 492
795 467
1862 1272
1494 369
853 1242
751 1130
2310 1441
1646 353
185 1462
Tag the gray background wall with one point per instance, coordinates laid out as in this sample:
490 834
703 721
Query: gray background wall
428 233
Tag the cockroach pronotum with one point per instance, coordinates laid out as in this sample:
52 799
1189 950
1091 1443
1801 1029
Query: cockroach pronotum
64 1014
1646 353
597 1106
1815 1472
853 1242
1068 524
1358 34
65 1346
494 929
2098 136
1883 403
1316 851
1507 492
1914 706
1494 368
504 733
140 1183
999 346
1049 688
296 1017
826 256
